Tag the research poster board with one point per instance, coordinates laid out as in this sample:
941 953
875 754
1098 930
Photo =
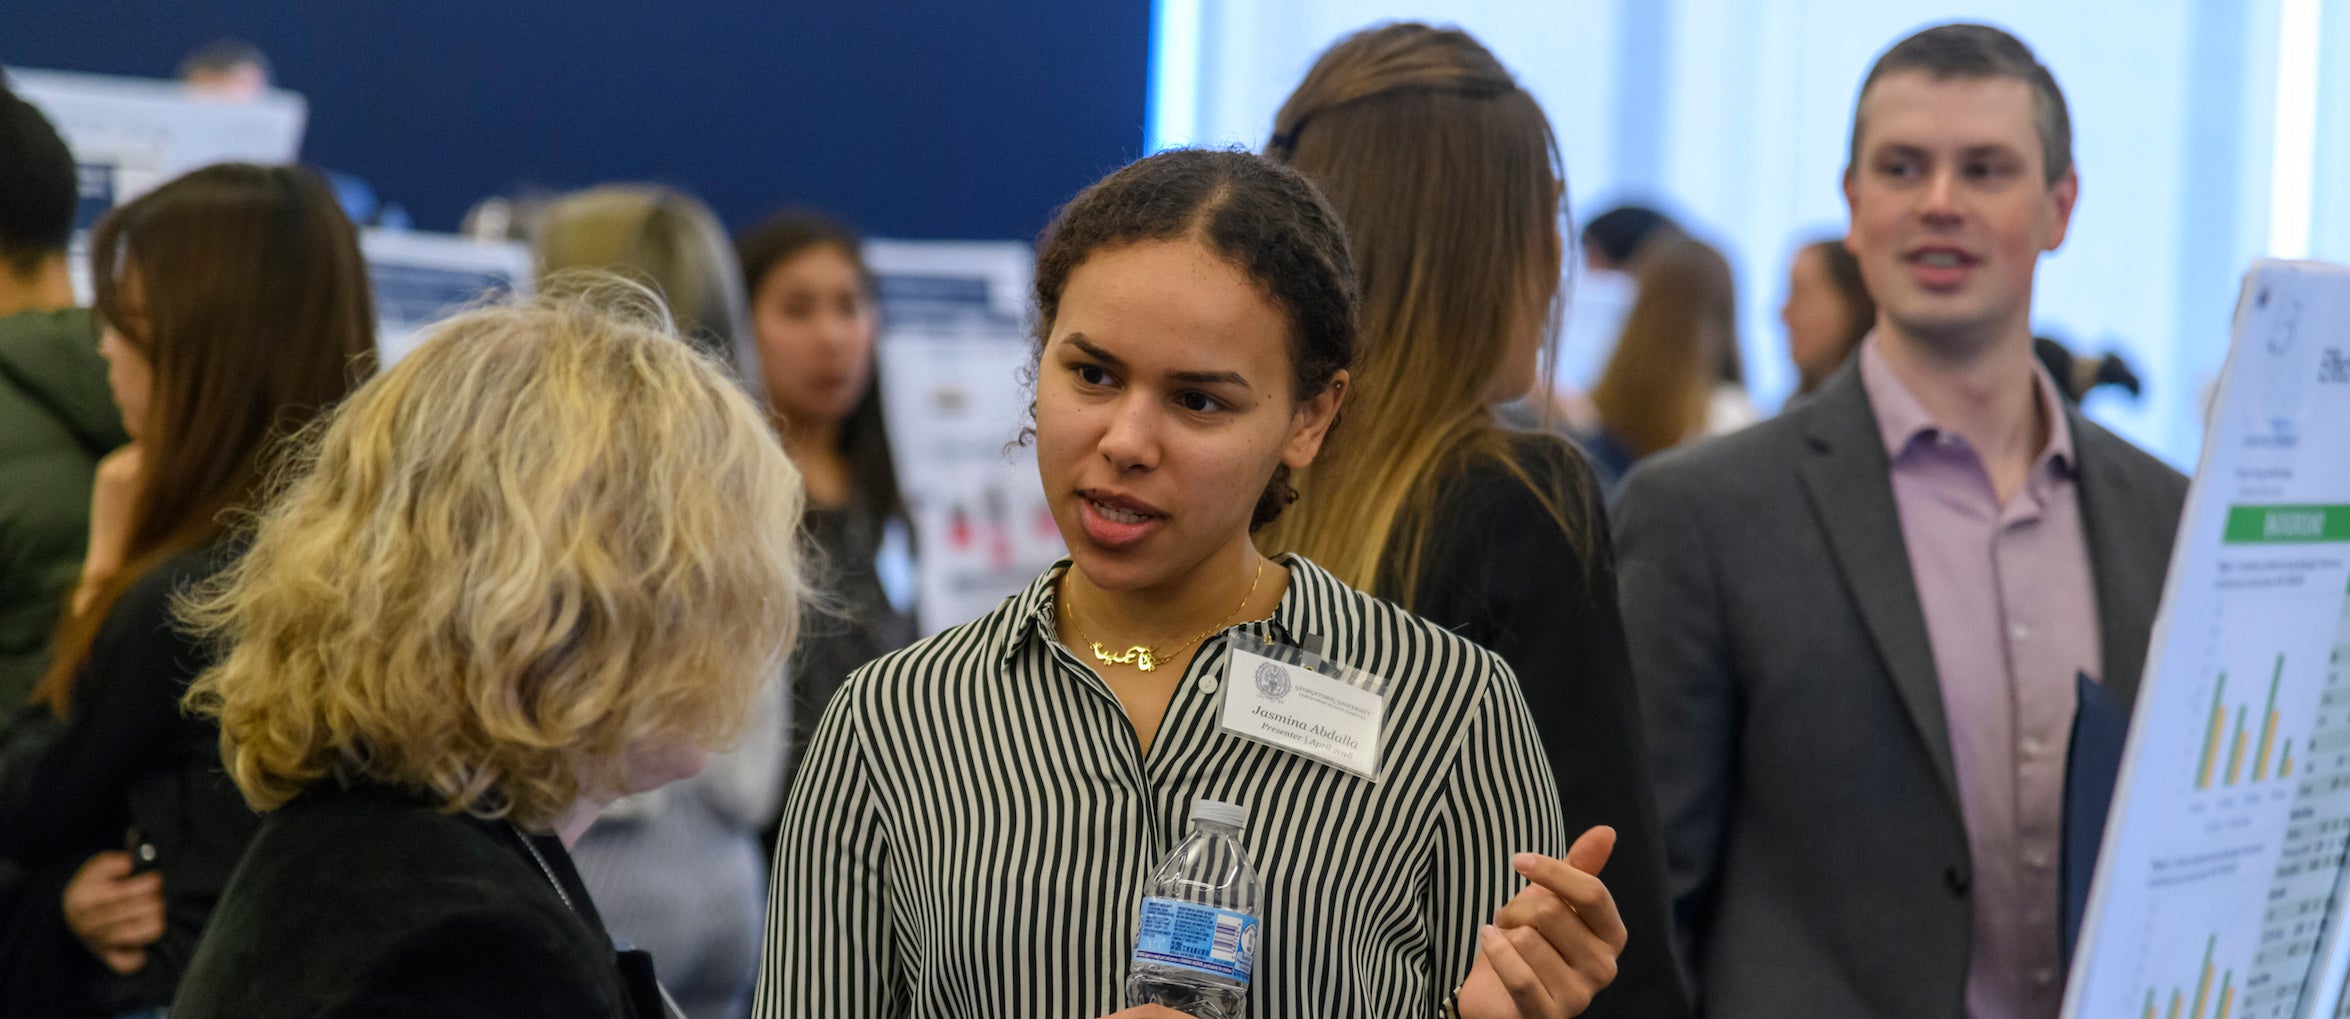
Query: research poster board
421 278
953 344
130 134
2219 889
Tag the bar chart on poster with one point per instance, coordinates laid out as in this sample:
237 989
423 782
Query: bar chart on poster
2220 886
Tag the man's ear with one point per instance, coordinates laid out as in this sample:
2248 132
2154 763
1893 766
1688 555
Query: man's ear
2064 193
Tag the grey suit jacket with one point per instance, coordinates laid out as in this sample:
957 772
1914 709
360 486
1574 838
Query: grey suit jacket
1815 850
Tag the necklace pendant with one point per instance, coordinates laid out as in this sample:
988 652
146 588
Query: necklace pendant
1138 656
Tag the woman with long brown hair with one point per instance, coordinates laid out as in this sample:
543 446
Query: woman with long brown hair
1448 180
1660 386
816 319
1827 313
235 308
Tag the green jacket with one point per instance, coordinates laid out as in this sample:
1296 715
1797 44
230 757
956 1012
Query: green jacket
57 418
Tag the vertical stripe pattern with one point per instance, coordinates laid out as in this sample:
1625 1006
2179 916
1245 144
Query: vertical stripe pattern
974 825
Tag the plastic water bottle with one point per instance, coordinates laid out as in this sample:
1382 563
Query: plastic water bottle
1197 944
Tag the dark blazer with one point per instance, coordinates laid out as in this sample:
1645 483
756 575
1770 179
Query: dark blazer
128 759
1500 572
371 902
1817 855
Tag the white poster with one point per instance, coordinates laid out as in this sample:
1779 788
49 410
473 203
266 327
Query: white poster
140 132
128 135
2218 890
421 278
954 342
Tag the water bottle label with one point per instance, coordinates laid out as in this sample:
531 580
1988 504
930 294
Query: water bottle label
1196 937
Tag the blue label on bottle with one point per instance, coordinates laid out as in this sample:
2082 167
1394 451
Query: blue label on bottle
1196 937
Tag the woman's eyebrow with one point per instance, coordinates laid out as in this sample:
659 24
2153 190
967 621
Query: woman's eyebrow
1191 378
1090 349
1210 378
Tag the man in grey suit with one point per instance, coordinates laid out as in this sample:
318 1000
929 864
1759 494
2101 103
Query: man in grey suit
1863 629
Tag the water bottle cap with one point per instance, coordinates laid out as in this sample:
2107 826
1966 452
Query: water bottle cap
1232 814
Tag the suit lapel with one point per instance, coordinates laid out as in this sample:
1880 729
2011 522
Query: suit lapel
1848 478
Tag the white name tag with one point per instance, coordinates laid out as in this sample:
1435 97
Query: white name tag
1299 702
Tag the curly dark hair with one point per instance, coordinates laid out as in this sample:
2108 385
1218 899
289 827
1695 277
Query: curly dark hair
1262 217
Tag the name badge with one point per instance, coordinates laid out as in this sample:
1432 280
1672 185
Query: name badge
1294 700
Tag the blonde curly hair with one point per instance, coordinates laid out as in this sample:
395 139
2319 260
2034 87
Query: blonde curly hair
551 534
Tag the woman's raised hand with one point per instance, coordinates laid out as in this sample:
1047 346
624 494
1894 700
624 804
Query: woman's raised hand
1554 946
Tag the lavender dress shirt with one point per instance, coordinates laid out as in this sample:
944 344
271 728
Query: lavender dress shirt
2010 605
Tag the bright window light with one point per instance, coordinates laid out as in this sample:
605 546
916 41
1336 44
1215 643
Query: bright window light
2293 161
1173 118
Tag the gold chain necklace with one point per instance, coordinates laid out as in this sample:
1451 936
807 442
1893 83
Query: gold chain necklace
1142 656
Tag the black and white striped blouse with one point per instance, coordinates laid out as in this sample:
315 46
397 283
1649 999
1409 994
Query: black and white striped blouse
974 825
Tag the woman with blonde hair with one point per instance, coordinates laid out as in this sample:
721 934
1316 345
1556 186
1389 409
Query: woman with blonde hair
662 238
545 561
1664 382
1447 177
681 871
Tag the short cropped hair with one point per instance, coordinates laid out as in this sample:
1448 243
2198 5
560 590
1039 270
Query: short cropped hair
1978 51
38 188
552 533
1621 233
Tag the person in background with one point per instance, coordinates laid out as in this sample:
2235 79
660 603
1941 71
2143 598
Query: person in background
236 71
2076 376
1828 311
231 70
57 418
1615 240
545 560
1447 177
1663 384
1864 628
235 309
815 318
662 237
57 423
680 871
977 819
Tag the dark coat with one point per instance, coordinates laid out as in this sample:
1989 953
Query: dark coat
1500 571
373 902
1814 840
126 760
57 419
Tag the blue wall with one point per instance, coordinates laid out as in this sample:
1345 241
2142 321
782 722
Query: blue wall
929 118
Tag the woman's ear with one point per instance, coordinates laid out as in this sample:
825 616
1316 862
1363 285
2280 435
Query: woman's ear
1311 424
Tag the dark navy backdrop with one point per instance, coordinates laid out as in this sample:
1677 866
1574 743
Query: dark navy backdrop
915 118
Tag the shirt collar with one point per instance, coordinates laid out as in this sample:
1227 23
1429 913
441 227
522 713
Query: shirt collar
1307 616
1902 420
